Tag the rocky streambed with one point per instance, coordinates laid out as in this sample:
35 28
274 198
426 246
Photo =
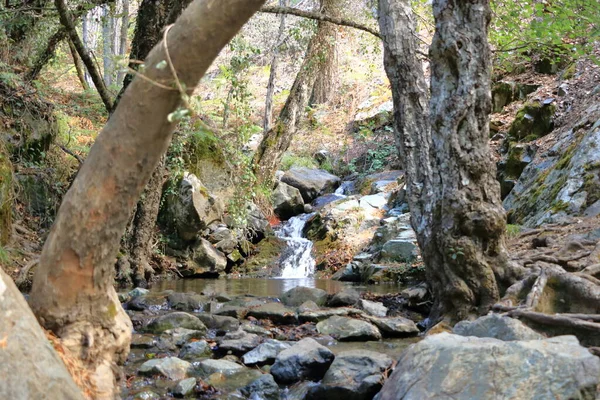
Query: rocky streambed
305 344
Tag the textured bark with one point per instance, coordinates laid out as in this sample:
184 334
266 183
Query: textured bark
67 21
273 73
452 191
72 291
327 76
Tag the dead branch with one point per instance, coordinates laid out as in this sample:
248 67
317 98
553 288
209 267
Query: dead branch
536 290
69 152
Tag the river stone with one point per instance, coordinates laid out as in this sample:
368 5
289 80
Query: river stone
347 297
180 336
300 294
142 341
395 326
306 360
264 388
194 350
146 395
265 353
498 327
208 367
348 329
220 323
232 311
138 291
171 368
287 201
353 375
399 250
184 387
187 301
307 306
207 260
311 182
252 328
298 391
234 381
276 312
147 302
239 342
174 320
373 308
486 368
322 315
29 366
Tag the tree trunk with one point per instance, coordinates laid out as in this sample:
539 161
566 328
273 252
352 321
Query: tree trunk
78 66
273 73
277 139
72 291
327 76
453 195
46 55
107 46
123 38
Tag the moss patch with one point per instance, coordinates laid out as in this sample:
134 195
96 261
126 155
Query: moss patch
533 121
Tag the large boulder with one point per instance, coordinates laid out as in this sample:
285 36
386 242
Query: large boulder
311 182
353 375
533 121
306 360
206 260
194 207
348 329
287 201
264 388
300 294
485 368
29 365
498 327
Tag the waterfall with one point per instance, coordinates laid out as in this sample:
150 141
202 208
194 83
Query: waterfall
297 260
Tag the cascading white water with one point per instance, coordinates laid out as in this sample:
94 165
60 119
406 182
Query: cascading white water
297 260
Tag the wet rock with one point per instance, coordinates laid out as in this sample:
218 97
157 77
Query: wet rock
142 341
175 320
264 388
220 323
192 351
297 391
239 342
180 336
557 368
252 328
417 297
497 327
208 367
353 375
187 301
306 360
275 312
206 260
399 250
194 207
300 294
171 368
265 353
184 387
307 306
373 308
348 329
347 297
234 381
395 326
311 182
321 315
147 302
232 311
146 395
137 292
287 201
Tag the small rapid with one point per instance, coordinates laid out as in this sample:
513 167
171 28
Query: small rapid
297 260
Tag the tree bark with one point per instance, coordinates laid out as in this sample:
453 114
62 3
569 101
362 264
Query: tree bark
327 76
107 47
67 21
453 195
123 37
72 291
78 66
273 72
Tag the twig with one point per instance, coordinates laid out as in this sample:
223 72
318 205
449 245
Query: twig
69 152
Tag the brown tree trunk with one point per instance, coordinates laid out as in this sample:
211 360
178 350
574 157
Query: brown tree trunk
78 66
72 291
452 191
327 76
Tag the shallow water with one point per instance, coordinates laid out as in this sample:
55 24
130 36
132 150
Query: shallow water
266 286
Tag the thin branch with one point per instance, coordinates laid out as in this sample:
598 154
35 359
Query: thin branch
67 21
319 17
69 152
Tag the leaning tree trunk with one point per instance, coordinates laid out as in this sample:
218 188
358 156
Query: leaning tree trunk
327 76
73 293
78 66
278 138
452 191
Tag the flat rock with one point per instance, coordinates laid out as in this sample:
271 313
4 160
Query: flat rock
174 320
239 342
180 336
321 315
265 353
347 297
497 327
394 326
184 387
486 368
276 312
300 294
374 308
171 368
311 182
353 375
187 301
306 360
348 329
232 311
208 367
220 323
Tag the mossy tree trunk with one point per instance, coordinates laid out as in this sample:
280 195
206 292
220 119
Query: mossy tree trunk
452 191
73 293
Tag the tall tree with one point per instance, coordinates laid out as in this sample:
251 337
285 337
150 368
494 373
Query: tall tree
452 192
73 293
327 77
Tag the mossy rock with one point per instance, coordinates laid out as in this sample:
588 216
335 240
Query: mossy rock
6 196
265 255
533 121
